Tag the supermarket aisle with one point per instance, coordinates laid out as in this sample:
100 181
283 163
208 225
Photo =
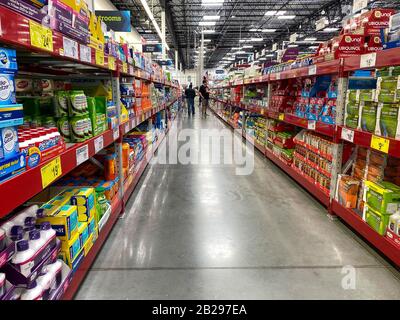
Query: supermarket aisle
202 232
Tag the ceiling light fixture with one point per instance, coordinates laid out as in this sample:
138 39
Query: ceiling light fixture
286 17
256 39
310 39
206 40
275 13
254 30
240 52
207 23
268 30
211 17
212 3
330 30
247 47
208 31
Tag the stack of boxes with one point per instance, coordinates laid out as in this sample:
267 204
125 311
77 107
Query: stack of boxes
12 162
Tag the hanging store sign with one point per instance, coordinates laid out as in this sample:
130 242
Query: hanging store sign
119 21
293 37
274 47
152 47
321 24
359 5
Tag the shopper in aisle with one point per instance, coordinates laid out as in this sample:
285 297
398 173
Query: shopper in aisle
190 94
205 95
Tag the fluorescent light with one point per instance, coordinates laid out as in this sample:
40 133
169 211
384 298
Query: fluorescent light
313 47
207 23
268 30
330 30
256 39
247 47
275 13
254 30
242 40
292 46
208 31
269 55
235 48
151 17
310 39
211 17
262 59
240 52
212 3
286 17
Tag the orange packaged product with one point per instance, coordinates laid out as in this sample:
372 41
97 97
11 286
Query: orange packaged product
392 171
358 173
125 155
108 189
362 153
110 167
377 158
348 191
375 170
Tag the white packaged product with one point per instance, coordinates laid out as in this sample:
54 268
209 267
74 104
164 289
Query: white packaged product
46 231
33 292
2 284
23 257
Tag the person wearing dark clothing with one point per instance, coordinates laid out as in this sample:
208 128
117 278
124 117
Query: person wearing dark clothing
190 95
205 95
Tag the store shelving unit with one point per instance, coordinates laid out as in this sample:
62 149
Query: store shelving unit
339 133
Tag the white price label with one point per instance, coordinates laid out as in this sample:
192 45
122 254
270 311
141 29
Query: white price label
70 48
312 70
98 144
116 133
85 53
131 72
127 127
133 123
311 124
321 23
82 154
347 135
359 5
368 60
278 76
398 82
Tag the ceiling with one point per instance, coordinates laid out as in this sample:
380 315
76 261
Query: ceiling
237 18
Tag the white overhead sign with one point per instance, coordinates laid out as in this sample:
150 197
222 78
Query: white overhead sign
321 24
274 47
359 5
293 37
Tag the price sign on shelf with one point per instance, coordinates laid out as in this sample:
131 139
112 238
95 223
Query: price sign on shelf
70 48
359 5
99 57
380 144
368 60
41 36
312 70
124 67
278 76
311 124
98 144
347 135
82 154
281 116
51 172
85 53
116 134
127 127
111 63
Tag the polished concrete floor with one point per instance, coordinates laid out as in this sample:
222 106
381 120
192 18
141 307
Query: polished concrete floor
202 232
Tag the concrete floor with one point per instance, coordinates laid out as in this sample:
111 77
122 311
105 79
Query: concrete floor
203 232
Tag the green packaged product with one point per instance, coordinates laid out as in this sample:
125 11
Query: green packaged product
353 108
368 118
78 126
386 96
387 83
61 103
382 196
376 220
77 103
388 121
64 128
354 95
352 122
367 95
48 122
36 121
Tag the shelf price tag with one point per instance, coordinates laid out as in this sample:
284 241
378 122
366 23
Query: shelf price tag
82 154
281 116
133 123
99 57
143 117
111 63
380 144
85 53
312 70
278 76
51 172
41 36
127 127
98 144
347 135
124 67
70 48
131 71
368 60
116 133
311 124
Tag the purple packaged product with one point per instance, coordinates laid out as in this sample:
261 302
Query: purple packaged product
30 224
2 284
7 253
35 10
47 256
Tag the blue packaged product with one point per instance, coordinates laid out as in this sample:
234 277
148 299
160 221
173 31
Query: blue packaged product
7 89
11 167
9 146
8 60
11 115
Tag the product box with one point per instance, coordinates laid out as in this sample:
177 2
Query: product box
348 191
73 264
389 119
72 247
11 115
9 147
11 167
7 89
92 225
88 245
368 116
85 201
83 230
8 60
348 45
33 9
376 219
383 197
62 219
371 22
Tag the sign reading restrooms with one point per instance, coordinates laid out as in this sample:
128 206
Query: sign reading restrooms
119 21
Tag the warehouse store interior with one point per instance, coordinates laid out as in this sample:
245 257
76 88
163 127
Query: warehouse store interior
200 150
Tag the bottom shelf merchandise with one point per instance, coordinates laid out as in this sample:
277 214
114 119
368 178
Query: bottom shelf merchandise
280 139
